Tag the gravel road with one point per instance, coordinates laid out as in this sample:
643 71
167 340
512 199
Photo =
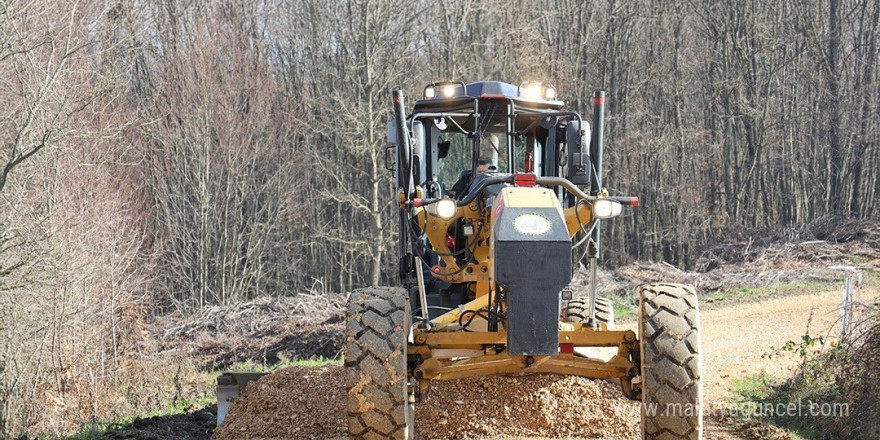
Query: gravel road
310 403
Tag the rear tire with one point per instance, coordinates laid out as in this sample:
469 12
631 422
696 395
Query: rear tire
578 310
376 334
671 367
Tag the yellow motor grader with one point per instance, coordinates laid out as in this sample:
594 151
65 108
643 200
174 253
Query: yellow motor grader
498 187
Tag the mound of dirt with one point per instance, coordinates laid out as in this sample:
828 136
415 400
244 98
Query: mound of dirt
549 406
829 239
304 403
293 403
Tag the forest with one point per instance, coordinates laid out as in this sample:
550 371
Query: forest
163 156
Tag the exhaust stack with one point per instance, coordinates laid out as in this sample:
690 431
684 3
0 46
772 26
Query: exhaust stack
404 148
596 150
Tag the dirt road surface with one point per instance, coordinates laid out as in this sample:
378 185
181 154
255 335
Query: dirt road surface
735 338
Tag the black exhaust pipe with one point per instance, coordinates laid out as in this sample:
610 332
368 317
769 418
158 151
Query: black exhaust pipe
404 148
404 176
596 141
596 149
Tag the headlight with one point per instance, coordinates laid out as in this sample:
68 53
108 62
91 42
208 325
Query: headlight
550 93
604 208
444 209
448 90
430 92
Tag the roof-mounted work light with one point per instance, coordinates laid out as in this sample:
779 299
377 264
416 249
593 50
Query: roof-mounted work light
430 91
537 90
444 90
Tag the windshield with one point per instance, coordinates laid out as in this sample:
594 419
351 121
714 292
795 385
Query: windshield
452 162
456 156
493 153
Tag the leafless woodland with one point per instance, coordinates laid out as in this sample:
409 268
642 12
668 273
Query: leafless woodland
167 155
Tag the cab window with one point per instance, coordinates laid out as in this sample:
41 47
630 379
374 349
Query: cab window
458 149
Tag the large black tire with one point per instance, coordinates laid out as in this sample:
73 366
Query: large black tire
578 310
376 334
671 375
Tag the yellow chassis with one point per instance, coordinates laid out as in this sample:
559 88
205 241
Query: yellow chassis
442 353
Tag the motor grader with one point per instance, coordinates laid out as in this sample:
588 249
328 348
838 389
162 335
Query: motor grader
500 190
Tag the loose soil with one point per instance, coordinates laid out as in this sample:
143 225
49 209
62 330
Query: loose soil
192 425
310 403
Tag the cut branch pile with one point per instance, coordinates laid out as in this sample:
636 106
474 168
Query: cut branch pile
809 254
263 330
256 315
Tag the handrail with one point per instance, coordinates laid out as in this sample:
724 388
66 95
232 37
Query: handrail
545 181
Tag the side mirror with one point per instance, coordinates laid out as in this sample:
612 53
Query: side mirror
390 155
392 133
578 153
443 149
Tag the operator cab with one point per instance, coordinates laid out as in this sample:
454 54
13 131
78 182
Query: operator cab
463 131
464 134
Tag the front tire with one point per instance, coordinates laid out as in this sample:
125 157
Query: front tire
376 334
671 366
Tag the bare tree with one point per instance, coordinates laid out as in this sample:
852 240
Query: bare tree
220 167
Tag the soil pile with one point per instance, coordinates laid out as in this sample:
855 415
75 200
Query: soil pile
293 403
550 406
303 403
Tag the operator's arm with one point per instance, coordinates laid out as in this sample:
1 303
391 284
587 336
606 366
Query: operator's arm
464 179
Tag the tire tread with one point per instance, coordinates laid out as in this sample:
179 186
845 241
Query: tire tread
375 364
671 363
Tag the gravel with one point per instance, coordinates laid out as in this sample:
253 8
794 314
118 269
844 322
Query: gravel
309 403
292 403
549 406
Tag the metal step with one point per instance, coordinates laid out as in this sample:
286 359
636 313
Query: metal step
230 385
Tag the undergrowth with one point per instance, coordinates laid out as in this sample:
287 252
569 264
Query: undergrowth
182 406
833 395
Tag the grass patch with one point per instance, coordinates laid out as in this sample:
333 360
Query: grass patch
625 306
754 406
250 365
182 406
755 388
86 434
747 292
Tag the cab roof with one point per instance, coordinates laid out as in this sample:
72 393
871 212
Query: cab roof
485 90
